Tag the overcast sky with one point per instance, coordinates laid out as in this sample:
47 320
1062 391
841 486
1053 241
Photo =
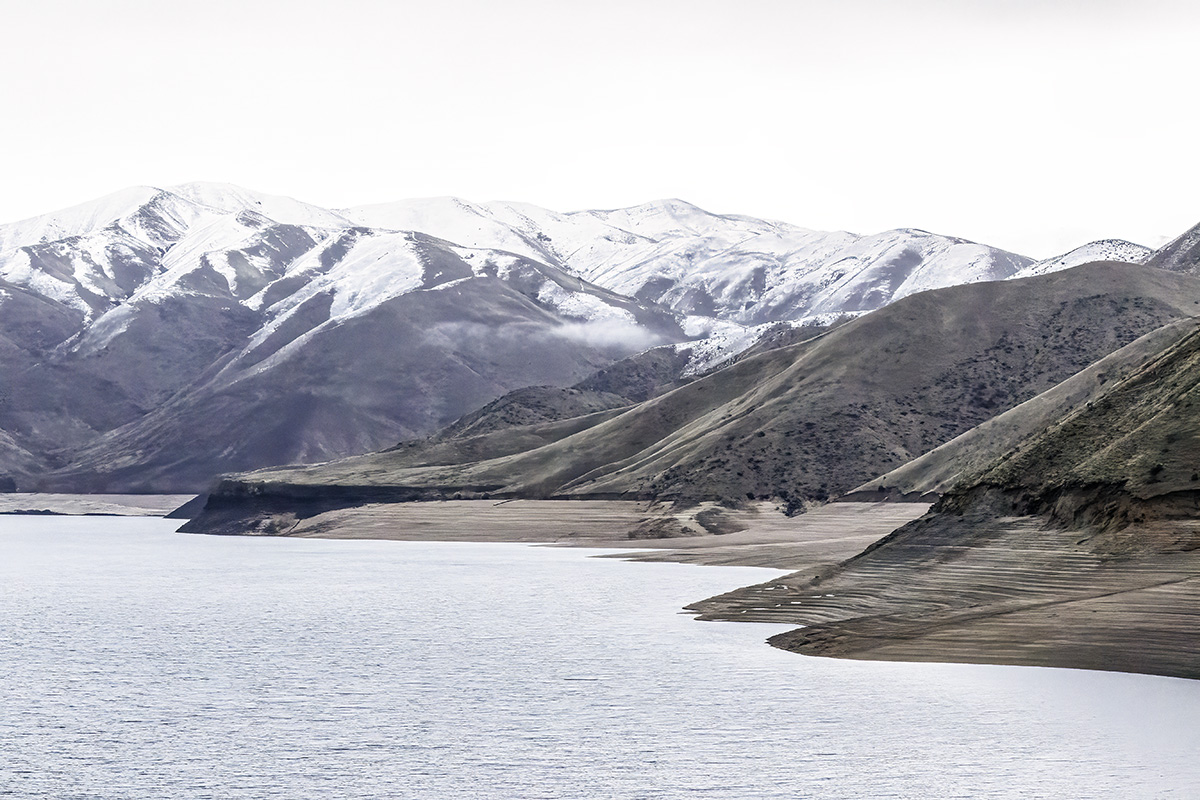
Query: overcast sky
1034 126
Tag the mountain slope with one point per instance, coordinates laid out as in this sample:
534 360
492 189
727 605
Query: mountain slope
967 455
189 330
356 360
710 266
1077 547
1130 455
162 376
812 420
1182 254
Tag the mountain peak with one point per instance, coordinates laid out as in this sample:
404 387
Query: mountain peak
77 220
230 198
669 206
1099 250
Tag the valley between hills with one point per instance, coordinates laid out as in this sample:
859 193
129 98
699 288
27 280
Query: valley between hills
963 454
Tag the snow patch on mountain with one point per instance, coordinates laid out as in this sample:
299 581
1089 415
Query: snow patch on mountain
779 276
675 254
153 216
582 306
372 270
104 330
19 269
720 341
377 269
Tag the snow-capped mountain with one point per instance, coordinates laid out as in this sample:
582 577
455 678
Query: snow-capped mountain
1101 250
727 267
158 336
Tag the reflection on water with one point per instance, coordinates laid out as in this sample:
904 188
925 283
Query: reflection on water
140 663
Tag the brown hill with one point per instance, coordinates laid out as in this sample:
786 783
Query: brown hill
965 457
1078 547
801 423
1181 254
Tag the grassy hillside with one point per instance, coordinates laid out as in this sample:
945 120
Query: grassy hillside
806 422
965 457
1079 546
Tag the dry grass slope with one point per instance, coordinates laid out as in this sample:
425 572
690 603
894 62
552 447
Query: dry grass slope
1080 547
802 423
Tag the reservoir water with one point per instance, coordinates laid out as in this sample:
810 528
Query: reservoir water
140 663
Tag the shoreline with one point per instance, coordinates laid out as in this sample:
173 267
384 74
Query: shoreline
107 505
756 536
1023 594
1012 591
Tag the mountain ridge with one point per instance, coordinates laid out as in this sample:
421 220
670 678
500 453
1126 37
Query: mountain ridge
805 422
161 294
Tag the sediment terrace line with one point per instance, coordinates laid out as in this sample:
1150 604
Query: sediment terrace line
767 538
1011 591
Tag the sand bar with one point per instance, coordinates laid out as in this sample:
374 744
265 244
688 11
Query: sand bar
119 505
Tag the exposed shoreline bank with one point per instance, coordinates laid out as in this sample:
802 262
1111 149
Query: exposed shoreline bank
1015 591
994 589
757 536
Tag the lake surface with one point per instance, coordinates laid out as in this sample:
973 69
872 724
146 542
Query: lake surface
139 663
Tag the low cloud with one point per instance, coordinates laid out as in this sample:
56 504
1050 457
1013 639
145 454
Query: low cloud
607 333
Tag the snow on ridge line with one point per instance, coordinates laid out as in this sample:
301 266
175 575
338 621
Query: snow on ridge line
86 218
354 284
1099 250
451 219
750 272
229 198
126 207
747 270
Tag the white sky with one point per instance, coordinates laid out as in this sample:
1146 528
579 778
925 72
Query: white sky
1034 126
